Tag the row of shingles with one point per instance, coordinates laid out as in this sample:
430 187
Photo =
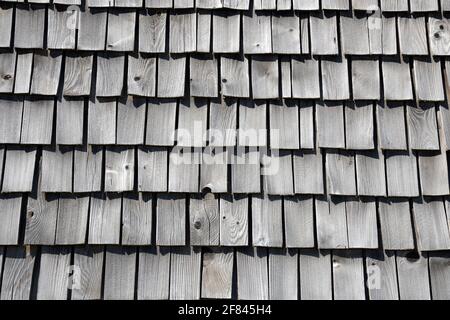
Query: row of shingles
178 273
224 220
262 32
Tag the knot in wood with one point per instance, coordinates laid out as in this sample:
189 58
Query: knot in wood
7 77
437 35
197 225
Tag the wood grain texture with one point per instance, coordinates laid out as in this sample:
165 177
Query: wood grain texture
412 271
182 34
283 274
87 169
354 35
119 169
184 170
315 275
391 126
284 124
422 128
19 168
152 169
141 75
396 225
401 173
160 127
396 80
234 74
72 220
204 76
204 220
430 221
277 172
412 35
305 78
192 122
252 123
92 19
428 80
381 287
53 273
121 27
324 38
130 120
335 80
104 219
306 124
29 27
154 272
348 275
46 73
102 119
171 76
394 5
265 77
222 123
89 259
185 273
434 174
362 223
214 170
171 220
267 221
110 75
7 71
11 111
6 20
56 169
204 31
17 273
331 222
60 30
37 121
120 267
365 79
69 121
440 276
370 173
217 273
233 220
341 174
245 171
10 211
308 172
330 125
439 35
226 32
152 31
24 68
257 33
137 219
252 273
299 221
286 34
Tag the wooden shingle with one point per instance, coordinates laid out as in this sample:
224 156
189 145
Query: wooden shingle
217 273
315 275
299 221
171 220
110 75
160 127
120 268
204 221
152 31
267 224
204 78
154 273
69 121
185 273
92 19
121 27
283 274
90 261
141 76
87 168
10 211
104 219
7 71
226 32
234 74
6 19
257 33
11 110
19 169
252 274
152 169
119 169
46 73
29 27
53 273
413 280
61 29
265 77
130 120
183 31
324 37
171 76
72 220
56 169
233 220
77 75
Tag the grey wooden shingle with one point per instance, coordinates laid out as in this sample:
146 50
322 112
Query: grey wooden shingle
104 219
267 224
6 19
37 121
171 220
53 273
401 173
252 274
299 221
130 120
234 74
204 76
102 121
370 173
72 220
348 275
87 169
46 73
57 169
120 268
171 76
17 273
19 169
324 38
252 123
204 31
152 31
110 75
305 78
413 281
331 223
433 172
10 211
182 34
335 80
277 172
29 27
438 35
11 110
428 80
355 35
184 170
89 259
160 127
214 170
69 121
24 67
152 169
192 122
362 224
92 19
391 126
413 35
359 126
394 5
245 171
185 273
217 273
137 219
226 32
61 29
204 220
265 77
7 71
283 274
422 127
315 275
381 288
233 220
154 273
397 80
439 274
141 75
308 172
119 169
77 75
286 34
365 79
121 27
222 123
257 33
284 125
330 125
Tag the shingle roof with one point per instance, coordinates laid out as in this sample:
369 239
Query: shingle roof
202 147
